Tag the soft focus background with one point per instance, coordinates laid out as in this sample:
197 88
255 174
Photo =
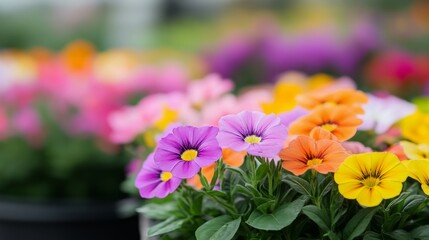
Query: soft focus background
65 66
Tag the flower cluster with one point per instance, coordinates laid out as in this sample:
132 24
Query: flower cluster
328 152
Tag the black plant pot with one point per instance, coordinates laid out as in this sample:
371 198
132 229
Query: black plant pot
24 220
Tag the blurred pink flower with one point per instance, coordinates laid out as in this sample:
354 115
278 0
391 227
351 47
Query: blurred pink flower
128 122
167 78
208 88
26 122
251 99
214 110
4 124
382 112
355 147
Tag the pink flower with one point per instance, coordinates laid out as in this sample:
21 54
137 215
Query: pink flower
213 111
167 78
129 122
27 123
382 112
355 147
208 88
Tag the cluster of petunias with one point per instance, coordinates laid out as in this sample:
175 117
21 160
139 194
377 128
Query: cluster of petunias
312 133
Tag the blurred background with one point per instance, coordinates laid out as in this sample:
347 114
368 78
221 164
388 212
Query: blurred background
337 37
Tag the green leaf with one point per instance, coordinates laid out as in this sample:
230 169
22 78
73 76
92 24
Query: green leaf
223 227
399 234
252 189
421 232
358 224
166 226
318 216
158 211
217 194
371 236
413 201
298 184
397 201
204 181
326 189
280 218
332 236
244 190
267 206
261 172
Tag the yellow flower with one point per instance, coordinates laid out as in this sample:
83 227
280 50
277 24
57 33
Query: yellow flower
416 127
415 151
284 98
419 170
370 177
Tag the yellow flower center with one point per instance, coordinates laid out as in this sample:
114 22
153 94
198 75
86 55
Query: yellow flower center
330 103
252 139
189 155
314 161
165 176
329 126
370 182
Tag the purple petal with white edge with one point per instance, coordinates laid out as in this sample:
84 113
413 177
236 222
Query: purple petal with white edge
185 169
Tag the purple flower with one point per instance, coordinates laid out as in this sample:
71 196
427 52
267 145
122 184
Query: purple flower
153 182
257 133
187 149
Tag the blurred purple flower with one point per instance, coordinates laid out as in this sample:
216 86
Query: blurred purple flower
355 147
187 149
153 182
288 117
257 133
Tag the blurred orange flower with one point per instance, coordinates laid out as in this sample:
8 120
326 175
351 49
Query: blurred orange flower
344 97
305 153
338 120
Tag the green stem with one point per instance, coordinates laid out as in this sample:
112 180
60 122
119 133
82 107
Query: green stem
314 191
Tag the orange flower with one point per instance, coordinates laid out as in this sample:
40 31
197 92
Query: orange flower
339 120
230 157
319 133
78 56
343 97
305 153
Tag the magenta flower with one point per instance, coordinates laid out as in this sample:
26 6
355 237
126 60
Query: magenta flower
153 182
187 149
257 133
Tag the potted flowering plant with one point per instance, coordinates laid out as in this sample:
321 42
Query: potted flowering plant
335 170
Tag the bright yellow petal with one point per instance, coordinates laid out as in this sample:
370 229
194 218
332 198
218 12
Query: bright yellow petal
425 189
419 170
369 197
350 190
360 163
411 150
389 189
346 174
